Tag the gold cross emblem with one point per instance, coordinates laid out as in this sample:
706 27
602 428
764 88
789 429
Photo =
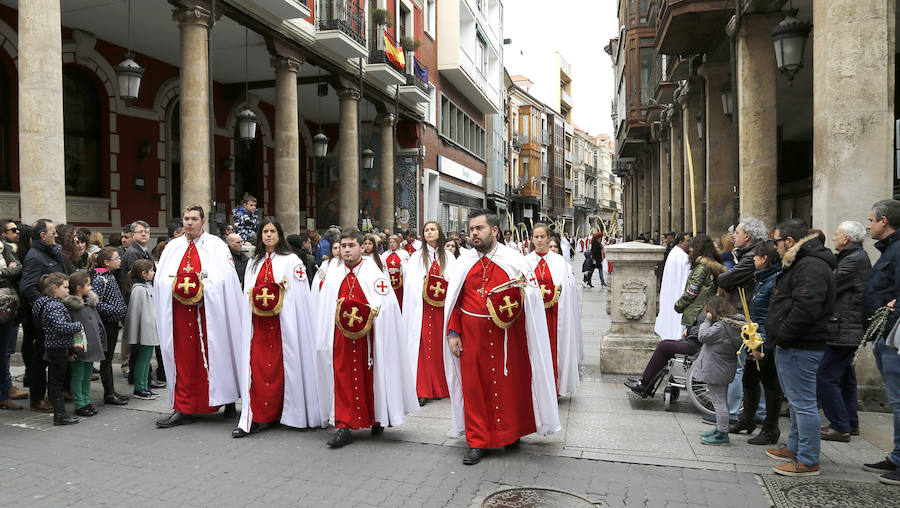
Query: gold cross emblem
187 268
510 305
186 285
352 317
437 289
544 290
265 297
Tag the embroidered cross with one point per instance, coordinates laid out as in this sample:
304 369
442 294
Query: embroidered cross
186 286
265 296
352 317
380 287
510 305
188 267
437 289
544 290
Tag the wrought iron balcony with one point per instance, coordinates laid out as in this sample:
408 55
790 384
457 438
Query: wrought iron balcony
347 16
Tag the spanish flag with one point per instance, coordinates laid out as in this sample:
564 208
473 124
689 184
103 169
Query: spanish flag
394 53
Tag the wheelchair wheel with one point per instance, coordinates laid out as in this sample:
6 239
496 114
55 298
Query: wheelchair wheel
670 395
699 393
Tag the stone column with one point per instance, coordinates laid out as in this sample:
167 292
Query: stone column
632 304
647 195
665 180
757 117
348 157
287 144
676 170
386 164
654 183
853 115
693 190
719 152
195 177
41 147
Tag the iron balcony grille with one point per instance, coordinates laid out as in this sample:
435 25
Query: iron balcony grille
377 53
346 16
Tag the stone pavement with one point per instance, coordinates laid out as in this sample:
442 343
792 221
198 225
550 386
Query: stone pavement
614 449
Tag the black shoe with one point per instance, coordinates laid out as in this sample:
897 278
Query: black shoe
765 436
64 419
377 430
230 411
239 432
114 399
633 379
26 382
173 420
341 438
422 401
156 384
740 426
83 411
885 466
92 409
638 387
473 456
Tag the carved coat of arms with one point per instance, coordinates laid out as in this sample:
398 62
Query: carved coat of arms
634 299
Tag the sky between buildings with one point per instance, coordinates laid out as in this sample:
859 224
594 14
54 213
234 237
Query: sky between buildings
578 29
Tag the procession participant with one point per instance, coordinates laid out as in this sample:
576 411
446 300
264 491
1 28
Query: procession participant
198 308
424 294
396 261
411 244
668 322
328 262
558 291
278 366
363 373
370 249
501 373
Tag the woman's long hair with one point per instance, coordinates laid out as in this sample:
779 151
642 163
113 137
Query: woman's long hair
702 246
375 257
136 274
719 307
281 247
455 243
442 254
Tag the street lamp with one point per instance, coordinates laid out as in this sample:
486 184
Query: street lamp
727 102
320 144
368 158
700 125
129 73
246 120
789 37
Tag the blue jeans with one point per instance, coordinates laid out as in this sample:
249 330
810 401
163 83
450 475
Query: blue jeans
736 391
837 388
888 362
797 371
7 337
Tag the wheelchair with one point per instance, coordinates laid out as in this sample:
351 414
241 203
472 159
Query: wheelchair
676 376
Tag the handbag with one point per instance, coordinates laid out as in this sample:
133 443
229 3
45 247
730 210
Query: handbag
9 308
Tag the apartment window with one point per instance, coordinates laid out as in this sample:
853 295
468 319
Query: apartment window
404 21
481 55
460 128
432 106
646 55
430 17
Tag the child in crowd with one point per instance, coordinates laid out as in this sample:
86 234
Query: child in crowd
59 339
82 305
140 324
111 308
720 334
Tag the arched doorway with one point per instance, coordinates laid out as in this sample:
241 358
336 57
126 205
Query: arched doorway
82 133
246 167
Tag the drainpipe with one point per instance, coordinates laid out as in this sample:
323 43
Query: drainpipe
736 150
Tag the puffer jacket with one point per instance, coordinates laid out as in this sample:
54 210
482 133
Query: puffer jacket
10 275
112 306
846 326
759 303
741 275
53 318
884 280
717 361
802 301
700 285
84 311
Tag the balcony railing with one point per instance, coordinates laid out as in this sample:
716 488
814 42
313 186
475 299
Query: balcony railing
590 202
377 53
412 79
344 15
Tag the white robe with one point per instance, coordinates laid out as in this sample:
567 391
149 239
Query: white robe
404 257
668 322
543 389
413 302
566 248
222 305
568 322
394 389
301 396
321 275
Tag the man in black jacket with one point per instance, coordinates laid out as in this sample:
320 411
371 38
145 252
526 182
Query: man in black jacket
837 377
801 304
235 242
747 235
882 289
44 257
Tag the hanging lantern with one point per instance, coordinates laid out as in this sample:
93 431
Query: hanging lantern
789 37
700 125
247 125
368 158
727 103
129 74
320 145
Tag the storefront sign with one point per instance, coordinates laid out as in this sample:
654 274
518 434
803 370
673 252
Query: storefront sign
457 170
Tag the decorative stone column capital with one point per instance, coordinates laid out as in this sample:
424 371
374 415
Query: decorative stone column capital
348 93
384 119
287 63
195 15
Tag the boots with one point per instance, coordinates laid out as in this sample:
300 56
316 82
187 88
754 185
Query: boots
767 435
742 425
60 417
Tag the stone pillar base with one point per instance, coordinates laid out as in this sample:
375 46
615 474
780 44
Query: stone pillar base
620 354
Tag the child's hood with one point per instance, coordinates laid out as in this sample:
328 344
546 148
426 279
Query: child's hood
74 302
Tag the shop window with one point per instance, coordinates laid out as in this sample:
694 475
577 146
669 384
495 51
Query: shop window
82 130
5 166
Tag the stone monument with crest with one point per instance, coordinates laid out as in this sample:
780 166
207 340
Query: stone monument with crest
632 304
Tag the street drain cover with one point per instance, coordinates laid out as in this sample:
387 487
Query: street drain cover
533 497
802 492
